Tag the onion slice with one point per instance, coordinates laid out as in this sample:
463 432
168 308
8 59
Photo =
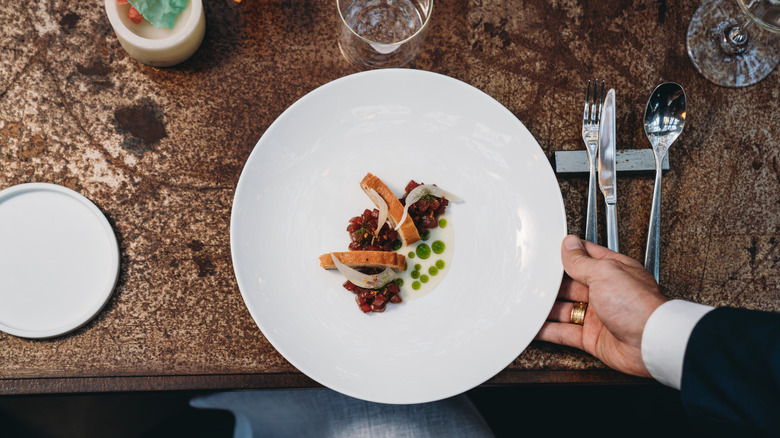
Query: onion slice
367 281
424 190
382 209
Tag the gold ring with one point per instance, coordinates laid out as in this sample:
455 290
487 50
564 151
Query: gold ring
578 313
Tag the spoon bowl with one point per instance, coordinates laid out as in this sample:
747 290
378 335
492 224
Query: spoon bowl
664 122
665 115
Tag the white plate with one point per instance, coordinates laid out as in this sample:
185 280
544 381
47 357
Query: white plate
300 186
59 260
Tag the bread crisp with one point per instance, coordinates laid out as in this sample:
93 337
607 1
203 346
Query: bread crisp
366 259
395 209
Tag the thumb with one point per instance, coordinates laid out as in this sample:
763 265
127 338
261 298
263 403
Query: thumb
576 261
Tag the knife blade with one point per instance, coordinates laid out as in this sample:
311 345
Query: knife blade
607 175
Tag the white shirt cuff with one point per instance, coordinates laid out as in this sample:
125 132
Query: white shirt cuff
665 338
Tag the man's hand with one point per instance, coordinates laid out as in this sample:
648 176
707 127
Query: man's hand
620 295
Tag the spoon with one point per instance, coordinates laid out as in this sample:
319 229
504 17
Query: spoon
664 121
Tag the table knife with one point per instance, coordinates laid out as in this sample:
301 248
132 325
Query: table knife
607 175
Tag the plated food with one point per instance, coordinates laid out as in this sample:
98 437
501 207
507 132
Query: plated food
381 194
379 238
299 188
160 14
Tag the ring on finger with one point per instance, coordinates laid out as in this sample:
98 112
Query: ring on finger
578 313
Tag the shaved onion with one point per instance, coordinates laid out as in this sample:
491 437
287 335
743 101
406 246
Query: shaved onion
423 190
382 209
367 281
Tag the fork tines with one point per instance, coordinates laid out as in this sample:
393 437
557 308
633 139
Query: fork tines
593 108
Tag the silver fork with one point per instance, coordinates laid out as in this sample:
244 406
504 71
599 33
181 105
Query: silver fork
590 135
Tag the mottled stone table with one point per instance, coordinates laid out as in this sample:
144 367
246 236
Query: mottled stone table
160 152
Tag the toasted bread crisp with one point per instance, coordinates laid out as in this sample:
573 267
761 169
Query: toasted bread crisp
366 259
408 231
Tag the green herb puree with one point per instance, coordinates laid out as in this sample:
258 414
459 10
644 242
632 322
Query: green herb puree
423 250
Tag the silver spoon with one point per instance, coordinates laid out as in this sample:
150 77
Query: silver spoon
664 121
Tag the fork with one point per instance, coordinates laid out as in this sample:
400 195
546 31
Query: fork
590 135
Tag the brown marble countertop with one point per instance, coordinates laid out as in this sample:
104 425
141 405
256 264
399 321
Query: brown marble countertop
160 151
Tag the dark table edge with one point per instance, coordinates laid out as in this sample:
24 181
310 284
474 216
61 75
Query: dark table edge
226 382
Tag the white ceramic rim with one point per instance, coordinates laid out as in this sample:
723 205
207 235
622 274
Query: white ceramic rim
149 43
247 283
106 291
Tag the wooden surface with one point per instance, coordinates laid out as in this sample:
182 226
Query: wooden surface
160 152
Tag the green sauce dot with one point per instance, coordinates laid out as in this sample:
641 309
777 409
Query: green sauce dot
440 264
424 278
411 254
423 251
418 266
437 246
425 235
442 223
416 285
399 282
415 274
397 245
433 270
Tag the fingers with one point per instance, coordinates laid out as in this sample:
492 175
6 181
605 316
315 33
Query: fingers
562 334
576 261
561 311
600 252
581 258
573 290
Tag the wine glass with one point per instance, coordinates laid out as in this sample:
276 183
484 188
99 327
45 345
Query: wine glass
382 33
735 43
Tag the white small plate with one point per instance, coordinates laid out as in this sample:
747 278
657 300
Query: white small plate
59 260
300 186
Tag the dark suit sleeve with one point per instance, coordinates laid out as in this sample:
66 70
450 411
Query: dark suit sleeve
731 373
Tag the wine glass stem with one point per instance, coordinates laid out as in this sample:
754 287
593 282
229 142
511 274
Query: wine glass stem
735 38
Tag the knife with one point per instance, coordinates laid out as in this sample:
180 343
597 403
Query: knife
607 176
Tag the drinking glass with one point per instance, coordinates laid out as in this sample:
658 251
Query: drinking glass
735 44
382 33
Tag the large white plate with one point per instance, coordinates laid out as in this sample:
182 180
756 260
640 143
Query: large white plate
59 260
300 186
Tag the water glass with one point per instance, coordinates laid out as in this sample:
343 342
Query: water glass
382 33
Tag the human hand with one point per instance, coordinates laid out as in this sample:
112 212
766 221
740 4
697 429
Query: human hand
620 293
